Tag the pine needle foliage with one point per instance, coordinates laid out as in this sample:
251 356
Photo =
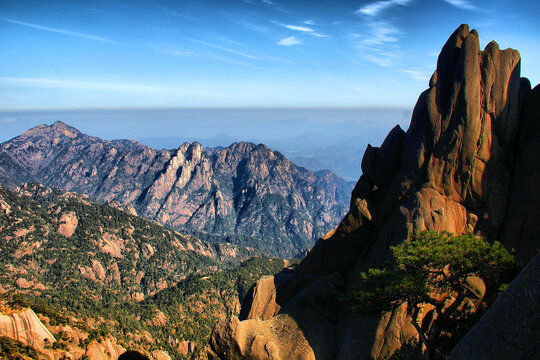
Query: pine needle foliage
432 268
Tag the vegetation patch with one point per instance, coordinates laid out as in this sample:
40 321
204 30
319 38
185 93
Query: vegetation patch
447 281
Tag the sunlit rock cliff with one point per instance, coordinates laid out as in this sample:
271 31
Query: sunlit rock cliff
25 326
468 163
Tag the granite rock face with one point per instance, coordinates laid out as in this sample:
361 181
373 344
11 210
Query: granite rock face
509 329
522 224
467 163
244 189
25 326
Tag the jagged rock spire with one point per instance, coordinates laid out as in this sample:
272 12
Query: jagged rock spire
453 170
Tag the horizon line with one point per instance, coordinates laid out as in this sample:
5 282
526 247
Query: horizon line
169 108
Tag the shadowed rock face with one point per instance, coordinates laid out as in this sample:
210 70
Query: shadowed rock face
467 163
245 189
509 329
521 229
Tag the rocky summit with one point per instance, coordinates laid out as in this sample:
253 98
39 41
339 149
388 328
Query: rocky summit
248 192
467 164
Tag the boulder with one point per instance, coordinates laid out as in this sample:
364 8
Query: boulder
278 338
106 349
160 355
22 283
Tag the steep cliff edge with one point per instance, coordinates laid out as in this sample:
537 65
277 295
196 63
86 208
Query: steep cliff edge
467 163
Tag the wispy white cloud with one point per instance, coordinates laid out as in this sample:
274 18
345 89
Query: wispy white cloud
226 49
257 28
383 59
181 15
228 60
300 28
359 89
51 83
291 40
8 120
267 2
417 75
376 7
179 53
222 39
275 5
59 31
461 4
319 35
379 43
381 32
280 60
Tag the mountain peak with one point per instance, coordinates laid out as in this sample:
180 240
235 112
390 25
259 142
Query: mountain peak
57 127
58 124
65 129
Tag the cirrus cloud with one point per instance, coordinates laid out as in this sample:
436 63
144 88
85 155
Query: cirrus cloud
374 8
59 31
461 4
291 40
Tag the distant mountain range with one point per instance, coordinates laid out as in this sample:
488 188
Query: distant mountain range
246 192
341 154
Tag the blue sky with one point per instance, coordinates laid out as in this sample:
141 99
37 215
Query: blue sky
241 53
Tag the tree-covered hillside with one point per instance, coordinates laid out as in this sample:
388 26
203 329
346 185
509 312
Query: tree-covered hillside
96 274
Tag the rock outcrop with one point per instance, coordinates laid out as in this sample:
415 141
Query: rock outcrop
509 329
107 349
25 326
245 189
466 164
68 224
